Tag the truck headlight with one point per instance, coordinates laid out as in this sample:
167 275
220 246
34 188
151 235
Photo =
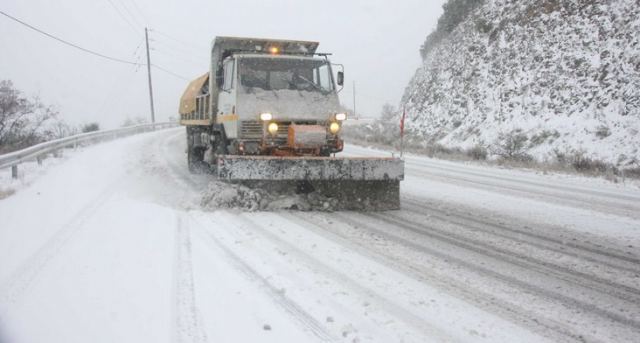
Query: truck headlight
272 128
341 116
266 116
334 128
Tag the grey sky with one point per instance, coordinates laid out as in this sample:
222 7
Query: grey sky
376 40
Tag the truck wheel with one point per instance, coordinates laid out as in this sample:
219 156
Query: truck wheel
195 159
195 154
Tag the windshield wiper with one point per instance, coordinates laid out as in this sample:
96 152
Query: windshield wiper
311 83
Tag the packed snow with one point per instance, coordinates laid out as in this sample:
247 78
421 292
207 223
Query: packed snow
119 242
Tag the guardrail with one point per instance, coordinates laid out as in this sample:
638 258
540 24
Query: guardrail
13 159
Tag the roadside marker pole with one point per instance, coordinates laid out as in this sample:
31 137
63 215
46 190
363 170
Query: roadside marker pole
404 113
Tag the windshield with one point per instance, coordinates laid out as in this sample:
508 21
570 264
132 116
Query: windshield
285 73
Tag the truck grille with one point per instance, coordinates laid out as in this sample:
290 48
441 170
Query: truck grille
252 129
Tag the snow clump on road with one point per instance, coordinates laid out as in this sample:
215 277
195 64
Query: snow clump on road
221 195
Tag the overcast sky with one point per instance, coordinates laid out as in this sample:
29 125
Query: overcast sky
376 40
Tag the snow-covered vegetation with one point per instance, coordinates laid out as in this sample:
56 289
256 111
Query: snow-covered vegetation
548 80
26 120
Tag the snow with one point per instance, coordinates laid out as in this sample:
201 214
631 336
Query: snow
470 188
563 74
113 244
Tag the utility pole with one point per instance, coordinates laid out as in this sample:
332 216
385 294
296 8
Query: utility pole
146 37
354 100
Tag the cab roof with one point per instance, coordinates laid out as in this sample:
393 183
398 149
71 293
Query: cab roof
263 45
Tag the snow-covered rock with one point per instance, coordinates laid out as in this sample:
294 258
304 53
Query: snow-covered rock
565 73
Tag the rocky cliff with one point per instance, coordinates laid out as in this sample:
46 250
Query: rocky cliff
557 76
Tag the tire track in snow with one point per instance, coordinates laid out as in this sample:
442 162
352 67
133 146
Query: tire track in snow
604 289
579 192
507 188
579 279
295 311
608 256
23 277
414 268
388 305
188 326
477 261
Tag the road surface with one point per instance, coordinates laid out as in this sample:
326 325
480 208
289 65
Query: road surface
112 245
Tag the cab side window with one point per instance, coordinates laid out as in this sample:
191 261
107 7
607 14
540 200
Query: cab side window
228 75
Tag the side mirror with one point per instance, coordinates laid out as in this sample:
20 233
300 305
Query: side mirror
340 78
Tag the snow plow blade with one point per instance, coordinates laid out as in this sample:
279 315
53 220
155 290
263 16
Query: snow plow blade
357 183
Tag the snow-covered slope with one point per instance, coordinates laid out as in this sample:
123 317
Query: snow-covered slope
564 73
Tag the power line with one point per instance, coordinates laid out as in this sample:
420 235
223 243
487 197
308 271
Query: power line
66 42
144 17
177 56
188 50
170 72
122 16
126 8
114 59
177 40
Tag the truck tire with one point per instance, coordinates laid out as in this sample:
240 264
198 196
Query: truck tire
195 160
195 154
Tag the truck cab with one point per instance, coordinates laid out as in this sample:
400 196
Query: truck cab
266 97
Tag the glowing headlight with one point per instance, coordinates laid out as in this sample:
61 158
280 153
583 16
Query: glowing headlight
272 128
341 116
334 128
266 116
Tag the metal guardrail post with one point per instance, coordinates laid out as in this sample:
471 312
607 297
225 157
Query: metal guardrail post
14 171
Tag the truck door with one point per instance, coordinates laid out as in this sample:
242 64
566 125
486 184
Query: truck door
227 99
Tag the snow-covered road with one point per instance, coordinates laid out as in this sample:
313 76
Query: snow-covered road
112 246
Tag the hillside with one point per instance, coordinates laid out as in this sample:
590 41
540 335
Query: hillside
558 77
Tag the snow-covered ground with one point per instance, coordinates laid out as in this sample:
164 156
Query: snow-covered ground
112 245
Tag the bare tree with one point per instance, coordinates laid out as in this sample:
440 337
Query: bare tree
388 113
60 129
22 119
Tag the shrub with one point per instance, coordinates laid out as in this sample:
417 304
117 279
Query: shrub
90 127
603 132
478 152
632 172
541 137
511 146
581 163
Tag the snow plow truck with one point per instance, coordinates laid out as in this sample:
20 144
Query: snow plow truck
268 112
